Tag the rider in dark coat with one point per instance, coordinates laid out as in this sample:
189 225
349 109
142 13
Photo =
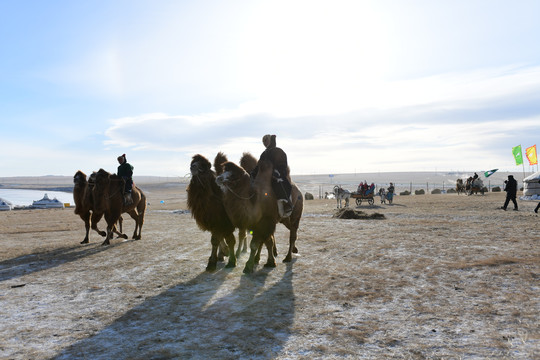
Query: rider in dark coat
125 171
281 179
511 192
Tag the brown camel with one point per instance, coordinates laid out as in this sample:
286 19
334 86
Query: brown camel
248 162
460 187
251 206
109 199
84 205
206 205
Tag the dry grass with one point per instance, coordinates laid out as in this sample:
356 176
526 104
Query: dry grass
442 276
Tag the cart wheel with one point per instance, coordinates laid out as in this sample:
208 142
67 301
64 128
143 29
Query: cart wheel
358 201
370 201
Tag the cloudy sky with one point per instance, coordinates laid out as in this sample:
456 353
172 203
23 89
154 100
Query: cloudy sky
347 86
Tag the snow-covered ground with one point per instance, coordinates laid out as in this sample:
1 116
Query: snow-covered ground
443 276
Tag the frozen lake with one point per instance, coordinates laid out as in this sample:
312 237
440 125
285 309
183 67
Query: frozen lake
19 197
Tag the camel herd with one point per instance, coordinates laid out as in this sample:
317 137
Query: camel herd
101 195
243 202
220 200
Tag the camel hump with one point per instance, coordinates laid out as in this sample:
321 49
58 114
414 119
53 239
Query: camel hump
218 162
248 162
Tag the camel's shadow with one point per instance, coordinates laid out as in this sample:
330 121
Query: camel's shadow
44 260
191 320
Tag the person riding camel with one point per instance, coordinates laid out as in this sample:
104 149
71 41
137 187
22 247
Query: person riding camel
125 171
281 182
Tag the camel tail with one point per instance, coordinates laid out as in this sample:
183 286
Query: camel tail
248 162
218 161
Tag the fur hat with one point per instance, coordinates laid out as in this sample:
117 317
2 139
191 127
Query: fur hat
266 140
121 156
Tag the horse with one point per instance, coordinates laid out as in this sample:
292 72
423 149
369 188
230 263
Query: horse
341 194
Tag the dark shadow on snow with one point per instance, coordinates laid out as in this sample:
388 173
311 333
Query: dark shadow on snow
31 263
187 321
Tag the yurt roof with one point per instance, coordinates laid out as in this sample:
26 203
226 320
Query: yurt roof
533 177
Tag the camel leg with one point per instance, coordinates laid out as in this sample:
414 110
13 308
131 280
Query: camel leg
111 220
86 219
141 208
212 261
271 248
242 242
232 257
258 254
138 228
254 247
292 241
95 219
109 236
135 216
223 250
119 233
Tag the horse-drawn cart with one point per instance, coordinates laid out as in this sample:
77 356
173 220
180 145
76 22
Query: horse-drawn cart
363 197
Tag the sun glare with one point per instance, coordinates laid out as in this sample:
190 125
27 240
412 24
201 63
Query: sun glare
313 56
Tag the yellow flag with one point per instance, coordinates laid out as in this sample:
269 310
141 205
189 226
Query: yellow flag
531 155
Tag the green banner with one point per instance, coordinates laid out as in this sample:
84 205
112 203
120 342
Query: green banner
490 172
518 156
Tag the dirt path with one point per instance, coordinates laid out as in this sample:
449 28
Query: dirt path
443 276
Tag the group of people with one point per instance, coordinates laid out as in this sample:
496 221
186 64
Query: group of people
364 189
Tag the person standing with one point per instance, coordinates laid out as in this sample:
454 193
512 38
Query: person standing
125 171
537 206
511 192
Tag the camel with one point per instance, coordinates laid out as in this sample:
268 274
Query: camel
460 187
248 162
205 202
109 199
251 206
84 205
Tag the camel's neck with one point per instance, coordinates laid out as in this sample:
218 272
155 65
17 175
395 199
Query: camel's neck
243 187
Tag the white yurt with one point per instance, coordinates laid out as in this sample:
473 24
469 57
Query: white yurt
531 187
5 205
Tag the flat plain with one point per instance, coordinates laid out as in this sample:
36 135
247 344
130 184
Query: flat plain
441 276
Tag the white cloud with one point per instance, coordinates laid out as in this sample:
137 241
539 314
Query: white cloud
403 133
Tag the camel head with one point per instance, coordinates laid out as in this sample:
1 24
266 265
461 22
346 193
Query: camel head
79 178
102 178
231 174
92 179
199 165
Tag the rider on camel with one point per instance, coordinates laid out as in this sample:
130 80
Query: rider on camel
125 171
281 182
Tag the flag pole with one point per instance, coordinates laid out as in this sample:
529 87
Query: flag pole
522 162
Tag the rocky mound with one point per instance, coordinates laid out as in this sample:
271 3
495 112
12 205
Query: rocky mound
345 213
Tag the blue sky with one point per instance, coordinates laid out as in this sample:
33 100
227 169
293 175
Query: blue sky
347 86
